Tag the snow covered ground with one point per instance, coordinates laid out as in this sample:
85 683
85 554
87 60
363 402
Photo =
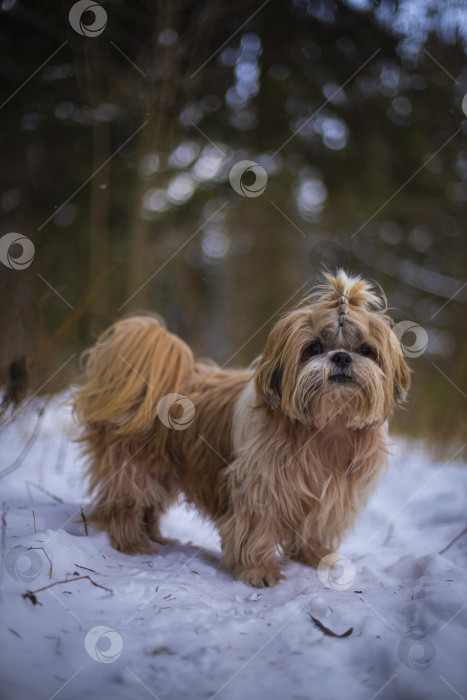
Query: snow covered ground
176 626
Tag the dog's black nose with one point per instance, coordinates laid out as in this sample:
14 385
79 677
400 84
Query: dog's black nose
341 359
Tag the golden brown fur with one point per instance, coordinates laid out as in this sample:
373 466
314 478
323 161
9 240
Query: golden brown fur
280 456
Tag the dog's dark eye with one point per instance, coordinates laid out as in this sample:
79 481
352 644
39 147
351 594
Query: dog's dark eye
315 348
366 350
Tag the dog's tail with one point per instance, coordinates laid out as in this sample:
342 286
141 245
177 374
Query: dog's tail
133 365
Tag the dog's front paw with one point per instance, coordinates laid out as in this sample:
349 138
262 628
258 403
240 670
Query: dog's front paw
261 576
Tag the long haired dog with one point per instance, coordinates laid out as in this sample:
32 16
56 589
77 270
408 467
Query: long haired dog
282 456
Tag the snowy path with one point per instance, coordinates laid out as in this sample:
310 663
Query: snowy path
177 626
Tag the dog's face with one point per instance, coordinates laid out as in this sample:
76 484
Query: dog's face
335 360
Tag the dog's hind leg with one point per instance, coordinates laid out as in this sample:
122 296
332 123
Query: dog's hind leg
131 368
164 487
121 503
152 523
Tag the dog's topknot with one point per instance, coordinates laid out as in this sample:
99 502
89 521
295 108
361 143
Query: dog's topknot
358 292
348 291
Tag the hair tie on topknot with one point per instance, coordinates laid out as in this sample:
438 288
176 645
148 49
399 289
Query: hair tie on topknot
343 308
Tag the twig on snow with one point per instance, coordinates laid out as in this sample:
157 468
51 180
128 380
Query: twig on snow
31 595
329 632
50 560
85 522
457 537
47 493
87 568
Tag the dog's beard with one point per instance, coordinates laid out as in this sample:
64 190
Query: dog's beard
353 397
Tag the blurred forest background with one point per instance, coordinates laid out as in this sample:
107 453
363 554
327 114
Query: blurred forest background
116 151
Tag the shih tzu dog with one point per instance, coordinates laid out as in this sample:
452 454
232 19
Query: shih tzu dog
280 457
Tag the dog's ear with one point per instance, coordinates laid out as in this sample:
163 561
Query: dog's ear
268 383
277 365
